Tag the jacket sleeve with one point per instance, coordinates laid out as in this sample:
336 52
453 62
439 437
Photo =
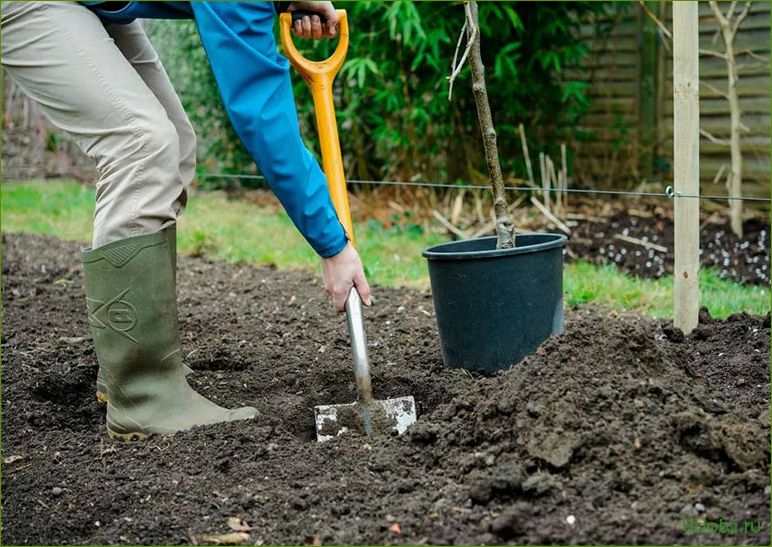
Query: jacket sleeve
255 86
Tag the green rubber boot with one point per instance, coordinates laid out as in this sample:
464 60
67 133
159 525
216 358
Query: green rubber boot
171 237
132 310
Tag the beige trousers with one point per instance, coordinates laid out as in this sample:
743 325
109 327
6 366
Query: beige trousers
105 86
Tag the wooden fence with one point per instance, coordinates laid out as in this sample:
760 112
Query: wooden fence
630 123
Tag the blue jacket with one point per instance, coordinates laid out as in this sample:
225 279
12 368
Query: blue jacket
255 86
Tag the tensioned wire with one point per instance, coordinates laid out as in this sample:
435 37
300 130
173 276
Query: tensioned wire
668 192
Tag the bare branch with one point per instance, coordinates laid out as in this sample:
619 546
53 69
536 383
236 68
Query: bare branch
456 67
730 24
552 218
656 20
449 225
750 66
644 244
714 89
731 9
719 173
713 52
719 15
753 54
741 17
712 138
458 47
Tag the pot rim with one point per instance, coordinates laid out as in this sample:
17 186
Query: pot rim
553 241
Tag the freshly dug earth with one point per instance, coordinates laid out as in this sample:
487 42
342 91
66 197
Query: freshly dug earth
621 430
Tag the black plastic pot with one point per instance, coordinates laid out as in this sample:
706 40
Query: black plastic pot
495 306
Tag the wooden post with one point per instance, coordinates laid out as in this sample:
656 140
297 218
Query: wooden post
686 164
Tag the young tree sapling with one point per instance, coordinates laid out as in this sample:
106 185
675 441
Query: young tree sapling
505 231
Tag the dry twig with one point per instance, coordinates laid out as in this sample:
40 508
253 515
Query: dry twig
641 243
448 225
552 218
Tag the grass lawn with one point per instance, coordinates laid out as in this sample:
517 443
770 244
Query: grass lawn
236 231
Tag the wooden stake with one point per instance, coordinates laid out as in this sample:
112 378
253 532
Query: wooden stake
553 182
526 155
564 171
545 181
686 164
458 204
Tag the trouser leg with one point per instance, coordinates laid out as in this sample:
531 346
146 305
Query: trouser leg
110 93
136 47
62 56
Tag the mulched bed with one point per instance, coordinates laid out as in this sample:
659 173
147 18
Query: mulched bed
619 431
742 260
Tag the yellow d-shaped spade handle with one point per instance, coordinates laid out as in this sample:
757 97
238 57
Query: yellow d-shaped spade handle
320 75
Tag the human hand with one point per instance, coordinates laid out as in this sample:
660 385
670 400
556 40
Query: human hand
341 272
324 22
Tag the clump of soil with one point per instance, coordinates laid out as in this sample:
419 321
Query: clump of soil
619 431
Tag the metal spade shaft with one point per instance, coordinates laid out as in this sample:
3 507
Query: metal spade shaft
398 413
356 331
320 76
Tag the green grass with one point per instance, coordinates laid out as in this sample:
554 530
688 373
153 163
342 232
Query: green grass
605 285
239 231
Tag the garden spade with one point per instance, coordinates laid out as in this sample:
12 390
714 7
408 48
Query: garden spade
367 415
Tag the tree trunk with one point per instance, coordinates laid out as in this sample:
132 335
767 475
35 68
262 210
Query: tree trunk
729 27
736 173
504 228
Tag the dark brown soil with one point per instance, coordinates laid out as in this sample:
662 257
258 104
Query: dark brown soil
742 260
619 431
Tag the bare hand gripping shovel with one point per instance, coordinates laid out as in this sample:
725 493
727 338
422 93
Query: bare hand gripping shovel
367 415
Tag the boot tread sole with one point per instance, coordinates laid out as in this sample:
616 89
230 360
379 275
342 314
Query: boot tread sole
126 437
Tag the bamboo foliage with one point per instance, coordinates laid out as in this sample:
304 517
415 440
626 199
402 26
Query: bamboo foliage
390 95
